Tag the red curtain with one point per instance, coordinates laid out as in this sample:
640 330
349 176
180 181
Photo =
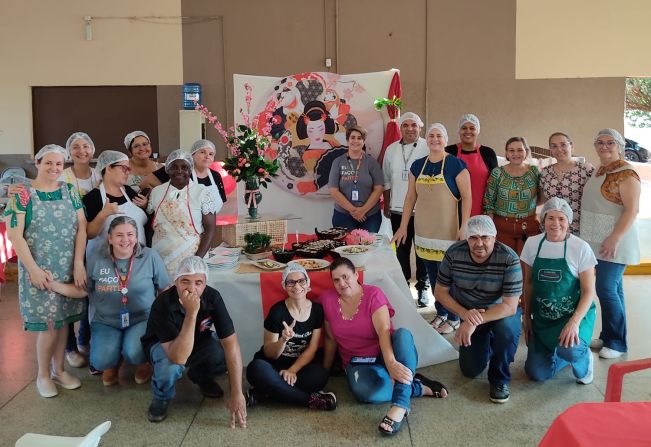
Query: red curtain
392 133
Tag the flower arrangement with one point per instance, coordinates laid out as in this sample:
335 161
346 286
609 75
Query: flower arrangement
360 237
247 143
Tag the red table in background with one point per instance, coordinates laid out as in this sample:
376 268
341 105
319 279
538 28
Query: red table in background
601 424
6 250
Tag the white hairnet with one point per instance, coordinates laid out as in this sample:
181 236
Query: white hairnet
294 267
132 135
557 204
79 136
469 118
616 136
48 149
192 265
178 154
411 116
200 144
108 158
440 127
480 225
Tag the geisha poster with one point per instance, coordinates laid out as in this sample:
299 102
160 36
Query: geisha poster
310 113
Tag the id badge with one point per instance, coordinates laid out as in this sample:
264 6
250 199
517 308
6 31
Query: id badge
405 175
354 195
124 318
363 360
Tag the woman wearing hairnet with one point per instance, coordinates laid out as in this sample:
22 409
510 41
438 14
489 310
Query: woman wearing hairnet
139 146
203 155
610 203
80 149
559 292
285 369
183 213
47 227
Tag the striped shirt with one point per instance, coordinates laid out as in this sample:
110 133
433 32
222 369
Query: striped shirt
480 285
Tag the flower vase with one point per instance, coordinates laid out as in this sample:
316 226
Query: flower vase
252 195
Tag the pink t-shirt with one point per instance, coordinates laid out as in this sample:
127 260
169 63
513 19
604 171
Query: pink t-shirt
478 178
357 337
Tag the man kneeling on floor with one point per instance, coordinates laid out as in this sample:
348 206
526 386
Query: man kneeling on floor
179 336
480 279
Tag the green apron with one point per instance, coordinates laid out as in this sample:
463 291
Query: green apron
556 293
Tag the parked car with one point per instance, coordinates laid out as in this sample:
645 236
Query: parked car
634 152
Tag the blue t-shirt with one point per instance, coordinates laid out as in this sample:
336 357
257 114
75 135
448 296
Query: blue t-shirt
105 300
453 167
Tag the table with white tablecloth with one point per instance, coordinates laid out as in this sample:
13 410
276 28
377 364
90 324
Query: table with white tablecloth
241 293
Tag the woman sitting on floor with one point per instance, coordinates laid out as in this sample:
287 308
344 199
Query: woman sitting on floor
284 369
379 361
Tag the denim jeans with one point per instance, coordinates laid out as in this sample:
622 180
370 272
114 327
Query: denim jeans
265 378
372 383
493 343
433 271
84 332
543 364
610 291
206 362
108 344
371 224
403 253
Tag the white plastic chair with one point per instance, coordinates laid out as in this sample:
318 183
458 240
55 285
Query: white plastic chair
90 440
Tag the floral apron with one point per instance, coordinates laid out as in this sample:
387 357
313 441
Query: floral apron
436 222
556 293
50 237
175 235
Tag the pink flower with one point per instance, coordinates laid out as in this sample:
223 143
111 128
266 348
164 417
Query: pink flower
260 171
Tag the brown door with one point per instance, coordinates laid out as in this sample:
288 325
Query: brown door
106 113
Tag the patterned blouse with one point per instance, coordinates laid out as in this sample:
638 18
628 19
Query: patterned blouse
610 186
22 203
567 185
514 197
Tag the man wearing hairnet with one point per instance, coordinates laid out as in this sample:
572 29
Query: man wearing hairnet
179 336
396 164
480 280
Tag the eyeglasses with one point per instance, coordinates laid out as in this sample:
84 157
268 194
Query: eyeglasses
291 283
125 169
609 144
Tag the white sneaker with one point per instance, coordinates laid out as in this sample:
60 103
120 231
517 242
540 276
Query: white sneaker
597 343
589 377
607 353
75 359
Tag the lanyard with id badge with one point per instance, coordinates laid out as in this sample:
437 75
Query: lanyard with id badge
354 193
123 284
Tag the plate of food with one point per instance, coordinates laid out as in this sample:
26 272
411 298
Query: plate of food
312 264
268 264
358 254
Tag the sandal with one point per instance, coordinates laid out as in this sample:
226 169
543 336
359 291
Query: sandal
438 321
448 326
395 426
434 385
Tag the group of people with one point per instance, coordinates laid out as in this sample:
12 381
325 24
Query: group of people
493 261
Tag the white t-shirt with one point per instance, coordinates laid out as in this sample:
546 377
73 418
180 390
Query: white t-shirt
84 186
393 167
579 254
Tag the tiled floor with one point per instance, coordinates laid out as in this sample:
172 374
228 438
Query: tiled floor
465 418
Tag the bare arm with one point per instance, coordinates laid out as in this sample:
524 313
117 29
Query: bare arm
330 347
308 355
236 404
209 225
273 345
373 198
37 276
382 325
506 308
94 227
341 200
570 334
80 250
463 183
629 191
179 349
67 290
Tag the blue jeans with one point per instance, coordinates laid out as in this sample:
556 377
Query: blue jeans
206 362
433 271
263 375
84 332
543 364
108 344
610 290
372 383
371 224
493 343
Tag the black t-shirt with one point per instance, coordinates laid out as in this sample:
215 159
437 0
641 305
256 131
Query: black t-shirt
167 315
302 331
93 201
162 176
